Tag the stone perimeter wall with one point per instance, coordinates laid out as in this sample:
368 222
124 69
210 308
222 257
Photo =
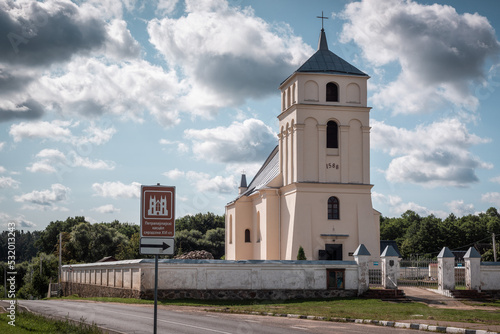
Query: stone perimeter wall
211 279
248 294
89 290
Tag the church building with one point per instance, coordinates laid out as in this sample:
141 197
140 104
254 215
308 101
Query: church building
313 191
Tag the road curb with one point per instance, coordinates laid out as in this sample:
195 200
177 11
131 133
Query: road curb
405 325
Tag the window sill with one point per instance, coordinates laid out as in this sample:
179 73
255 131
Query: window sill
332 151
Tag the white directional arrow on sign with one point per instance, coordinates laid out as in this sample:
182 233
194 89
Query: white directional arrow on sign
157 246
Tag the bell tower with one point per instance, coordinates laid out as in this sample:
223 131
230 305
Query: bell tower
324 123
324 159
313 191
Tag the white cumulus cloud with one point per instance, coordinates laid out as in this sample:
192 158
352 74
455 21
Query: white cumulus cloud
211 46
49 197
247 141
433 155
117 189
108 208
492 197
441 52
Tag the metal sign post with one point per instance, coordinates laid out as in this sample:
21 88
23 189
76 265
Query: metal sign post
157 228
156 295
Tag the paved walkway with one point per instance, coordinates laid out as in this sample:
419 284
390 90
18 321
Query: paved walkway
434 299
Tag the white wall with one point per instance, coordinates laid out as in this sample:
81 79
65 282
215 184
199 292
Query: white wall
214 274
490 276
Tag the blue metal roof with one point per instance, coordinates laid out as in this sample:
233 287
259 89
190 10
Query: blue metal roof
325 61
268 171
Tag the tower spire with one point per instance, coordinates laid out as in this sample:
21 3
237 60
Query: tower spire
322 44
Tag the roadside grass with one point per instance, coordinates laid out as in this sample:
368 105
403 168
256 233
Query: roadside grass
27 322
353 308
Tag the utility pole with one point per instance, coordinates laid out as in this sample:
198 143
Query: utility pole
60 256
494 247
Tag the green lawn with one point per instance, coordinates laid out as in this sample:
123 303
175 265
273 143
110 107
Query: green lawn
31 323
353 308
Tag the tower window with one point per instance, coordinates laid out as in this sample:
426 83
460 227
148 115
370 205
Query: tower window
333 208
332 135
247 235
332 92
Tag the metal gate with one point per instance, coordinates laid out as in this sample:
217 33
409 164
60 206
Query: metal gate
459 275
422 272
375 278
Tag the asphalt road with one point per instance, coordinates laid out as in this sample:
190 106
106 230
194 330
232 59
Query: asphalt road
127 318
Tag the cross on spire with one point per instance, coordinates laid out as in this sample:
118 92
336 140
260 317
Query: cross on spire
322 18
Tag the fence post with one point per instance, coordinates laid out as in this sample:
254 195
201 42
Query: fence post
446 270
472 269
362 257
390 268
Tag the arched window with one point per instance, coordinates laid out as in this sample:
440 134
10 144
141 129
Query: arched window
333 208
332 92
247 235
332 135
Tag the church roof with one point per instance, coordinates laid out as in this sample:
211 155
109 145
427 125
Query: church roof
325 61
268 171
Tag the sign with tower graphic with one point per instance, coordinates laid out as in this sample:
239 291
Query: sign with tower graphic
157 211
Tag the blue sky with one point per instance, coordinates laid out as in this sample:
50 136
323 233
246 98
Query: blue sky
99 97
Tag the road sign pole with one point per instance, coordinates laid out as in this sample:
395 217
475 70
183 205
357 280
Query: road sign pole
156 295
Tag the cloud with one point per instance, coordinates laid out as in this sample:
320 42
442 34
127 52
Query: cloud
108 208
92 87
52 160
20 221
181 146
492 197
29 109
459 208
397 207
440 51
433 155
495 179
99 136
56 130
218 184
44 33
42 38
165 7
61 131
247 141
8 182
174 174
47 198
117 189
2 145
210 45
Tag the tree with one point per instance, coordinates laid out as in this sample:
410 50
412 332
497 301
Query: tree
49 238
37 278
301 255
129 250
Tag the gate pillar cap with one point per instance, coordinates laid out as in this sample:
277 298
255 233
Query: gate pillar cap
361 250
389 251
445 252
472 253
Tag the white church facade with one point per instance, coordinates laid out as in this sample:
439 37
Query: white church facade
314 190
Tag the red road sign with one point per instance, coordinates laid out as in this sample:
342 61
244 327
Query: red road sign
157 211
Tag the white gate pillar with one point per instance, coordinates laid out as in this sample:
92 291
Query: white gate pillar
390 267
362 257
446 270
472 269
